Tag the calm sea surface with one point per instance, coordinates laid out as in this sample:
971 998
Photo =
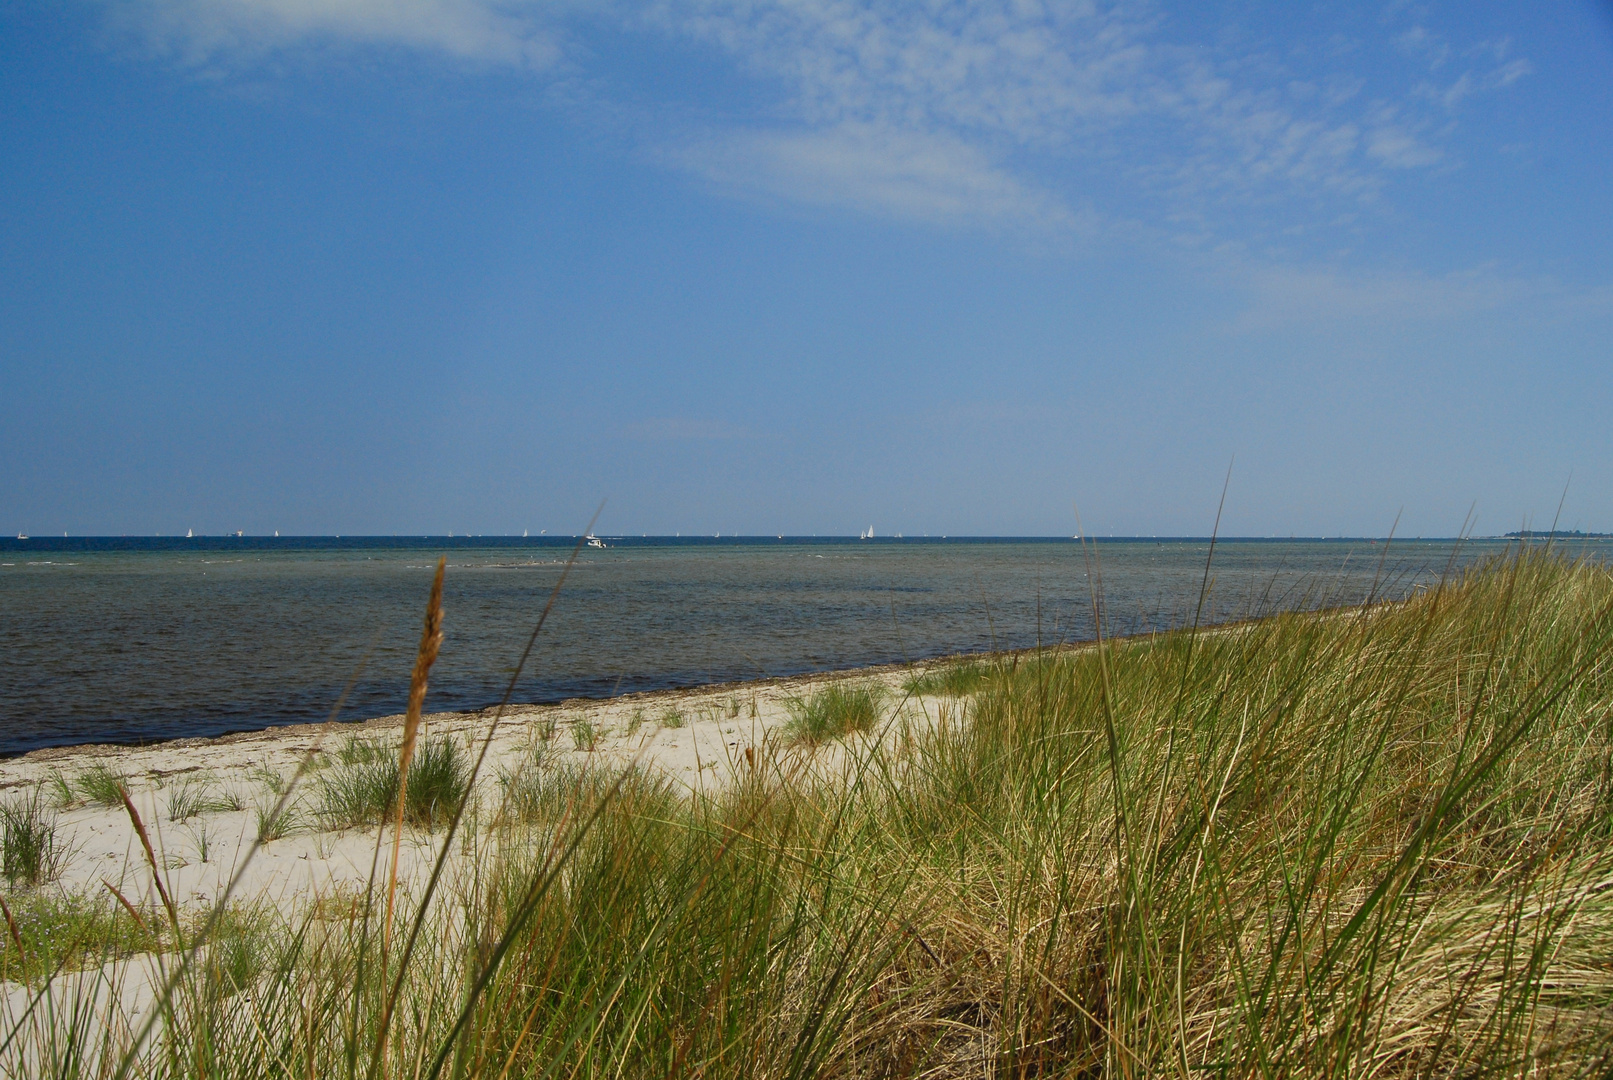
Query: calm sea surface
129 640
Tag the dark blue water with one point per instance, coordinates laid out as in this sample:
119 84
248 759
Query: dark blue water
124 640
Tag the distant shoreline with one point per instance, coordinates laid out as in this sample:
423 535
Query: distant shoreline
231 542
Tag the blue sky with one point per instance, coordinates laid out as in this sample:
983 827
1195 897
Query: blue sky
353 266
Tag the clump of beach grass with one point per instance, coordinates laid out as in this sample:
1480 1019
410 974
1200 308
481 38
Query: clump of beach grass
193 796
361 788
202 838
672 717
837 710
585 735
99 785
958 678
439 781
546 726
32 849
270 779
61 790
274 818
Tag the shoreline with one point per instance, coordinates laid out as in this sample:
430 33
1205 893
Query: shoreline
638 697
728 686
388 720
697 738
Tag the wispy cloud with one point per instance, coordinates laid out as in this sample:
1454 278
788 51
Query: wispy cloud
876 169
991 111
233 31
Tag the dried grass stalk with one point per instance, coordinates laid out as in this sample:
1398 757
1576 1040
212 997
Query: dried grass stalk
430 643
151 857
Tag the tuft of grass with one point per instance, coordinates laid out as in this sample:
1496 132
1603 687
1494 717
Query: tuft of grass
546 726
270 779
545 797
61 791
31 849
636 720
188 798
834 712
585 735
272 823
202 837
672 717
99 785
953 679
226 801
362 788
247 945
439 782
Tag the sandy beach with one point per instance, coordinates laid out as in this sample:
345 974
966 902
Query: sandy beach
698 738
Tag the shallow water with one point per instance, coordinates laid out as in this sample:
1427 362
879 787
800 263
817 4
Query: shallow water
115 640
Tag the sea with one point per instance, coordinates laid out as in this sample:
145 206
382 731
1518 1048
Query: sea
131 640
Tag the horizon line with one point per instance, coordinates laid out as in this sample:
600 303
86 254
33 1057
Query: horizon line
544 538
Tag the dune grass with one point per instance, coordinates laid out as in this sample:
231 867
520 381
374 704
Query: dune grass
192 797
32 849
99 785
361 787
1370 843
835 711
585 734
957 678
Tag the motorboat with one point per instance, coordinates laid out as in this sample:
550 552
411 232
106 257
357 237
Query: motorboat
594 541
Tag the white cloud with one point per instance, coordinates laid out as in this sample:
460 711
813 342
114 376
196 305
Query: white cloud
1420 43
1398 148
202 31
1469 83
875 169
991 110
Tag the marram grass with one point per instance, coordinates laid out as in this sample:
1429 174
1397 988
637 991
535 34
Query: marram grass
1354 843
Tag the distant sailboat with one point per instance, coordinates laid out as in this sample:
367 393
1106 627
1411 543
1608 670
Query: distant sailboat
189 535
523 534
868 535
